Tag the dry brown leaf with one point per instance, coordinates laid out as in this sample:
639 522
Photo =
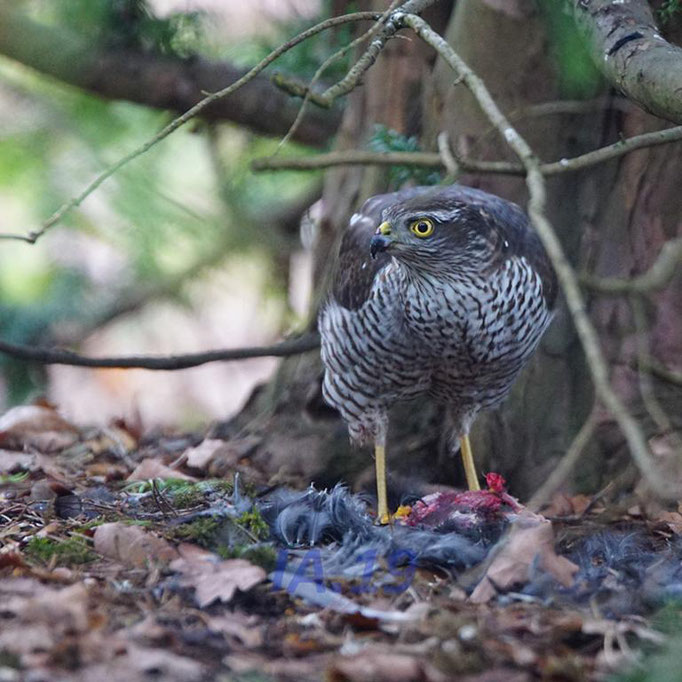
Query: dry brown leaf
131 545
567 505
673 519
376 666
11 461
36 618
232 453
153 468
238 626
531 538
35 426
213 579
200 456
138 664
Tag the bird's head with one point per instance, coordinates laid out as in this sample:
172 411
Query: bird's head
428 235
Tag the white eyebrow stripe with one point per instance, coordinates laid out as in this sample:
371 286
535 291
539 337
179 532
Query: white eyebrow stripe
443 216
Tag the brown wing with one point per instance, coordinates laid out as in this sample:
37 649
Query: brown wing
355 269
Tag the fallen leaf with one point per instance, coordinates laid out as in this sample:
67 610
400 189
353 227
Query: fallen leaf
673 519
131 545
40 617
153 468
11 462
214 579
567 505
238 626
200 456
531 538
35 426
232 452
138 664
373 666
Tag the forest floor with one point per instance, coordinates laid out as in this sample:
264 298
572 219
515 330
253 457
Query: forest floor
129 557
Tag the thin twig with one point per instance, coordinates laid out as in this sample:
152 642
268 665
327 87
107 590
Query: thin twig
52 356
567 277
351 80
566 465
446 156
654 279
76 201
660 371
309 95
435 160
646 388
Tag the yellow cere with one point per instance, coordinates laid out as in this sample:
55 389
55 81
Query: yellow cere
422 227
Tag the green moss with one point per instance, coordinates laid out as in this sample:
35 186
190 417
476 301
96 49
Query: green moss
9 659
254 523
202 531
189 496
89 525
264 556
66 552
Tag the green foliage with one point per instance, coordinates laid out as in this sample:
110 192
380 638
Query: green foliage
73 550
178 208
254 523
303 60
668 10
385 139
264 556
579 78
130 24
660 664
203 531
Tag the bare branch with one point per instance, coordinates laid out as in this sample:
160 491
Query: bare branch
631 53
447 158
52 356
309 95
646 387
654 279
565 467
76 201
352 79
660 371
565 273
435 160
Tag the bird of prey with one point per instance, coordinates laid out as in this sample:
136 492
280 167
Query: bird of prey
441 292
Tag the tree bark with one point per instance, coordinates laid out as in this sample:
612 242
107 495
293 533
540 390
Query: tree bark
628 48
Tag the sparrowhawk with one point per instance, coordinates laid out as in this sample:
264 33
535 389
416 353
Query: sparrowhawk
442 292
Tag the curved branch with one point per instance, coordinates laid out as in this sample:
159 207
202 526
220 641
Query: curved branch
631 53
655 278
435 160
55 356
155 80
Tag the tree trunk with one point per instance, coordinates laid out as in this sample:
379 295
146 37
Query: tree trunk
612 220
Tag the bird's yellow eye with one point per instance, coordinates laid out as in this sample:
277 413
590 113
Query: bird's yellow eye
422 227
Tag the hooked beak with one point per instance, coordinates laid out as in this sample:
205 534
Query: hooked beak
381 240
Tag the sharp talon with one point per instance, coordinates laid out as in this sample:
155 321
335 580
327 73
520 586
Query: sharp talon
384 520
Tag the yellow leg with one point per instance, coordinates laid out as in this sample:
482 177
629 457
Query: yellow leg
468 460
380 463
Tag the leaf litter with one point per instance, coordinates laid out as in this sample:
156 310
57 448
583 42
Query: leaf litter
124 557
